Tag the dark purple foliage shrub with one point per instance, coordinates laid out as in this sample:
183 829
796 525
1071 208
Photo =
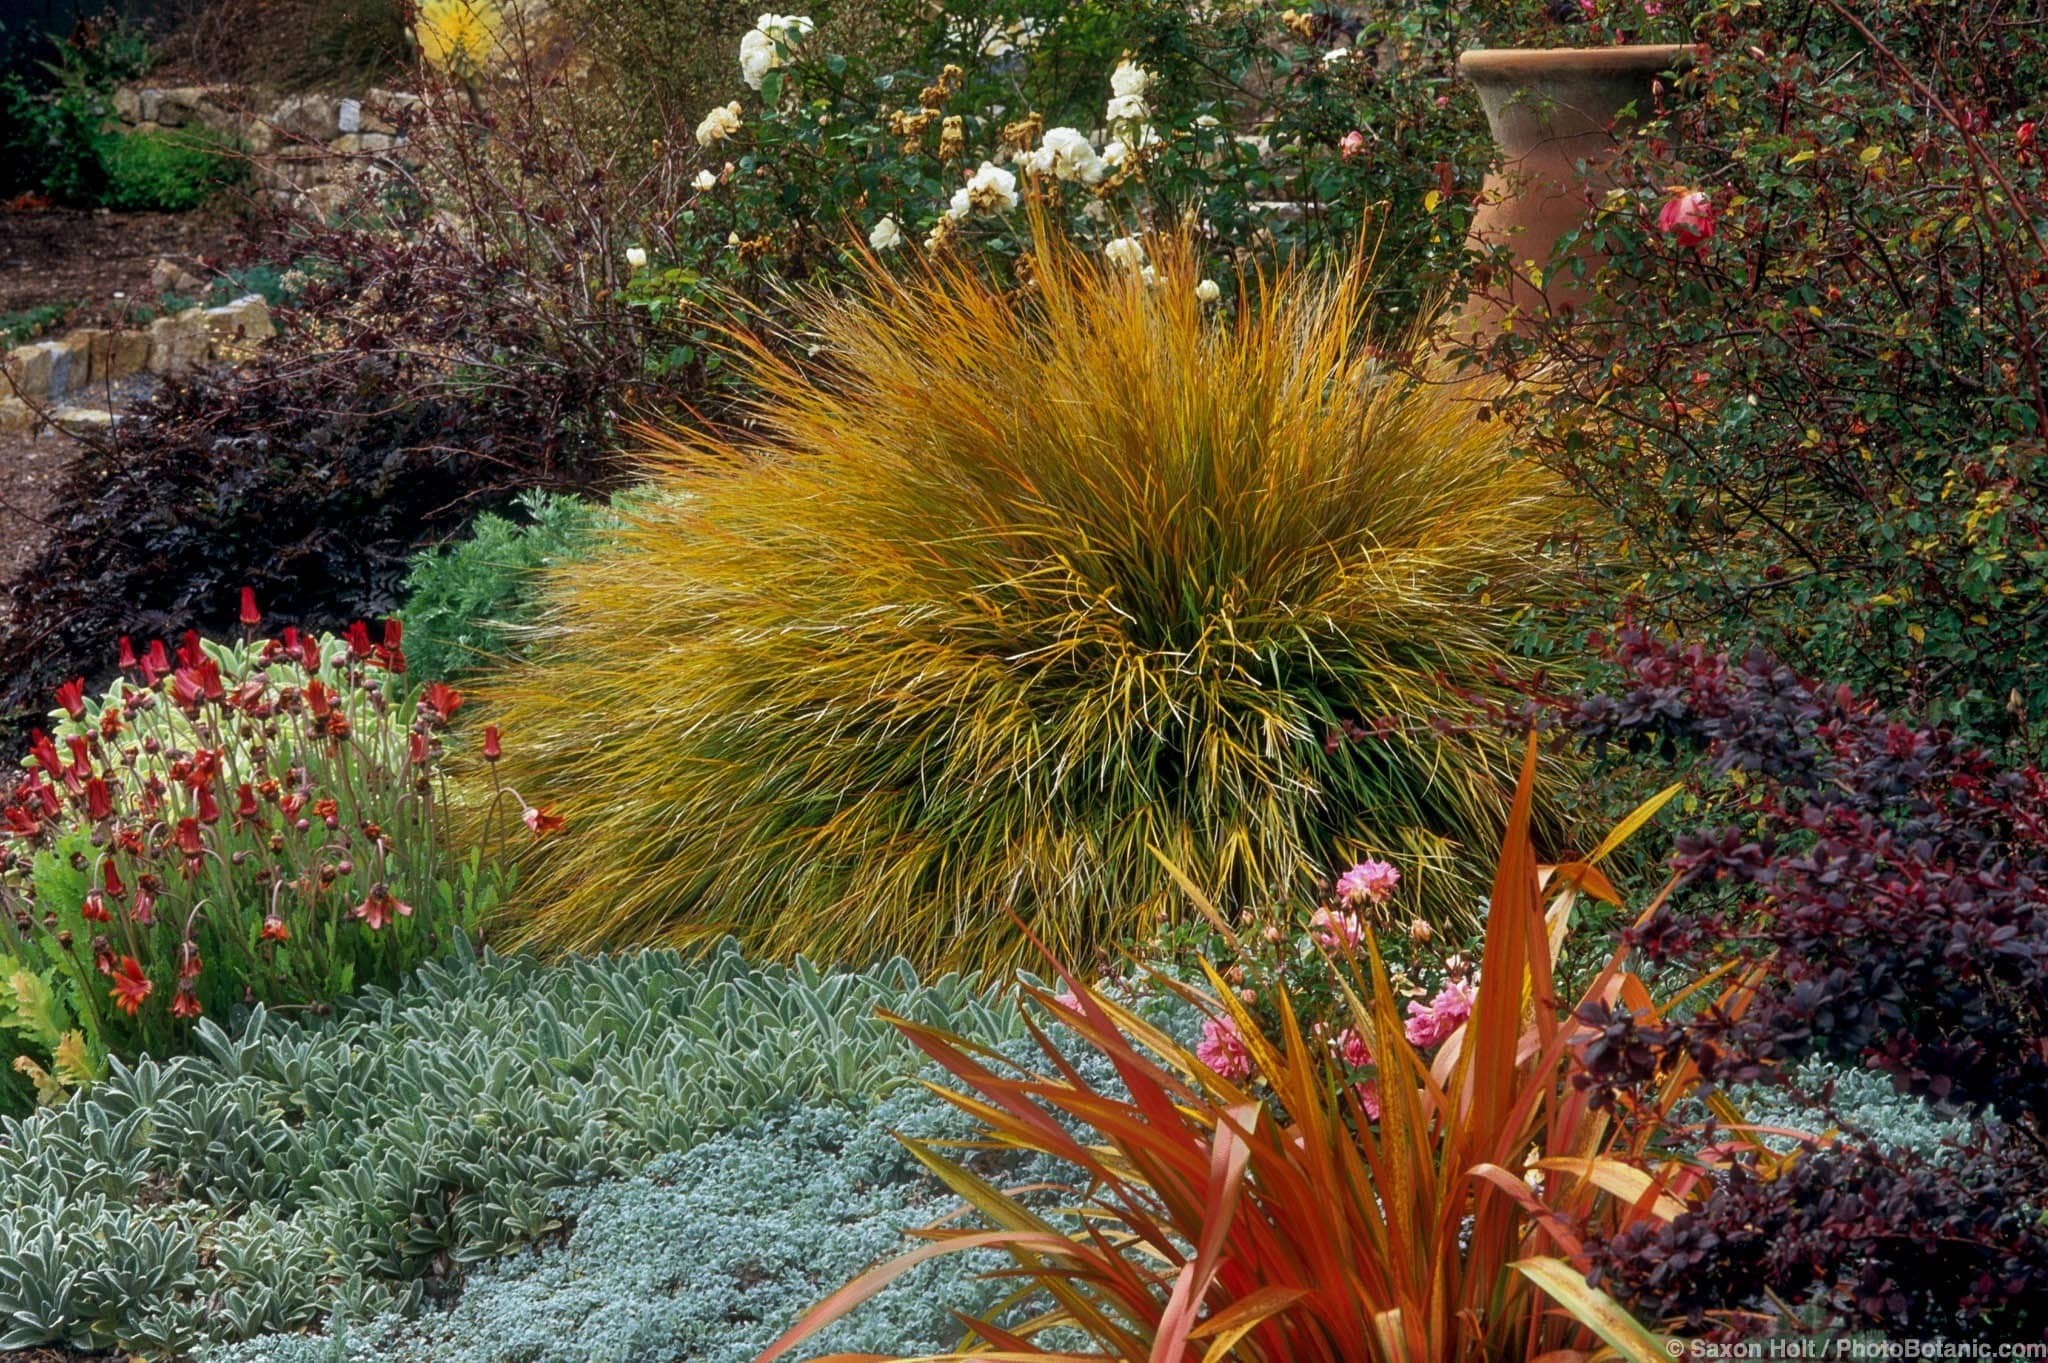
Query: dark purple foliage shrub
1886 882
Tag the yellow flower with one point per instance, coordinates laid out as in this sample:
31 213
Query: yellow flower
458 36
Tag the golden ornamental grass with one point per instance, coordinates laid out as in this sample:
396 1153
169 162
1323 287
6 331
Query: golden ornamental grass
1007 597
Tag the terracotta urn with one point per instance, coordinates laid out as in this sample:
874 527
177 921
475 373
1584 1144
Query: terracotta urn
1553 114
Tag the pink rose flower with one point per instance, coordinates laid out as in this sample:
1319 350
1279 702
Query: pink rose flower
1690 217
1369 882
1430 1024
1335 930
1368 1098
1352 1050
1222 1049
1352 144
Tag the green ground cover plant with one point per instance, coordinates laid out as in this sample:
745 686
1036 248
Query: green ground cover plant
289 1170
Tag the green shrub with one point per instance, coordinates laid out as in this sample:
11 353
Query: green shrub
290 1170
1016 592
169 170
463 600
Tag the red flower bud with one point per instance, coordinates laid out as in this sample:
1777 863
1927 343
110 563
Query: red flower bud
128 663
110 877
359 639
492 752
250 615
394 633
157 658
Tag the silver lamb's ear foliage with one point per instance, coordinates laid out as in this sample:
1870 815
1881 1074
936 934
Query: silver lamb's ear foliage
290 1171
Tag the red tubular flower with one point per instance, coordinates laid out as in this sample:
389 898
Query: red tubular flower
128 663
359 639
209 808
274 929
110 876
144 914
131 986
291 640
416 749
186 690
245 801
492 752
188 838
309 654
45 753
543 821
318 699
157 658
209 678
81 755
188 960
443 700
250 615
189 651
71 695
394 634
94 909
99 802
185 1003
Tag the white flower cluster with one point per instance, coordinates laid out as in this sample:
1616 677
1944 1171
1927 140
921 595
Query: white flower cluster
761 48
1067 154
1127 86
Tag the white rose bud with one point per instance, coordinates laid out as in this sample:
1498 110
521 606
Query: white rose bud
636 257
1208 291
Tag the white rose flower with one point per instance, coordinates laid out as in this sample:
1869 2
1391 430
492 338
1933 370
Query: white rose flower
636 257
1208 291
1128 109
759 52
705 180
719 124
989 190
1208 121
1149 275
1128 252
1129 79
1067 154
1335 55
886 236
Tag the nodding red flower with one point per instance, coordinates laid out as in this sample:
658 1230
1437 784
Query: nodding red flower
156 659
250 615
309 654
185 1003
443 700
209 808
188 960
128 663
543 821
189 651
81 756
359 639
144 913
318 699
94 909
378 907
131 986
71 695
492 752
394 634
416 749
186 690
110 876
274 929
45 753
99 801
208 672
102 954
245 801
188 838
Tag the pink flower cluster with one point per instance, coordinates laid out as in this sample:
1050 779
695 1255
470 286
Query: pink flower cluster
1430 1024
1337 931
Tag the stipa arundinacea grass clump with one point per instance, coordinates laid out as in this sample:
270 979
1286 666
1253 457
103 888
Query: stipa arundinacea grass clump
1007 600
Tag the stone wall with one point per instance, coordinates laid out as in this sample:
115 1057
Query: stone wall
306 150
52 378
